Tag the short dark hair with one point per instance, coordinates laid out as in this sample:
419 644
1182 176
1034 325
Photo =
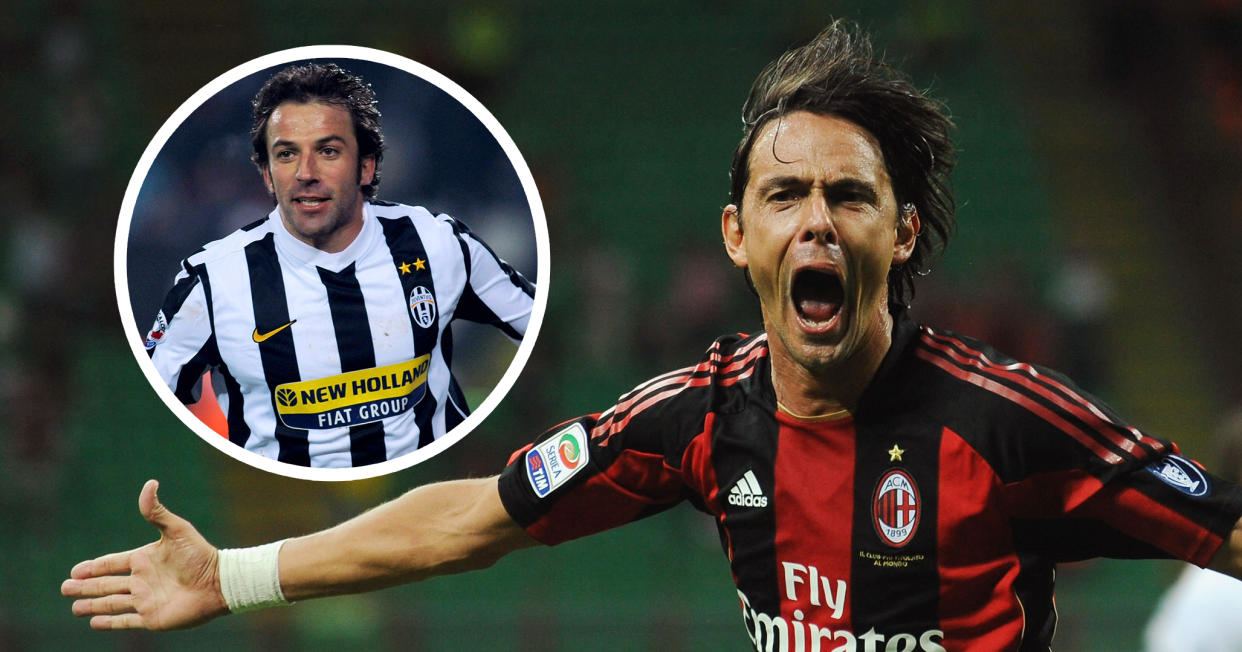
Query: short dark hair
331 84
838 74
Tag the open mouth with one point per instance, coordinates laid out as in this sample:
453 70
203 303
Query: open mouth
817 295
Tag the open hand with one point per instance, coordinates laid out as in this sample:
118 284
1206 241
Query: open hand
172 583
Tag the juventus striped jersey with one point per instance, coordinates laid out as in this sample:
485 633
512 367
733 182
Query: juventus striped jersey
335 360
929 519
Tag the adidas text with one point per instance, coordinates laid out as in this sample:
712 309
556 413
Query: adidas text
748 501
747 492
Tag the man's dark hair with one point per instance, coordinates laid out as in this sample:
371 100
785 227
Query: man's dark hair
837 74
328 83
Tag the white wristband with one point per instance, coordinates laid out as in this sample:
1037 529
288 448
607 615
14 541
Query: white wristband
250 577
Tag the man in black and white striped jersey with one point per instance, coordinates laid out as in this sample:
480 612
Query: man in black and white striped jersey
328 319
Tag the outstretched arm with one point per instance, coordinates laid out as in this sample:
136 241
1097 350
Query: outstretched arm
437 529
174 583
171 583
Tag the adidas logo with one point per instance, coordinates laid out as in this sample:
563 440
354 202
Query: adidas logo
746 493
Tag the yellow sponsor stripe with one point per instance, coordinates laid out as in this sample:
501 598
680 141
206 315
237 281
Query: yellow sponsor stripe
352 388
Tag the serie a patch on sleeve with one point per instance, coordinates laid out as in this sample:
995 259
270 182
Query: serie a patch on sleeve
157 331
552 462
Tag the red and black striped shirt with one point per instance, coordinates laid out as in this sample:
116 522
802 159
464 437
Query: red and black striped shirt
930 519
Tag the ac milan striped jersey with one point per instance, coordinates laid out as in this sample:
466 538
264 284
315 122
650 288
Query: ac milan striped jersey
335 360
929 519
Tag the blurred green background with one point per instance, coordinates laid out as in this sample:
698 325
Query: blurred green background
1099 195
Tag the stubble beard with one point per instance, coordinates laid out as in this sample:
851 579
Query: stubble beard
334 222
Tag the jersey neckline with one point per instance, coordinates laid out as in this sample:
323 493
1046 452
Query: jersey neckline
290 246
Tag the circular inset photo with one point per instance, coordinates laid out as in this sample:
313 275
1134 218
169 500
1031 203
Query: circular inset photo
331 262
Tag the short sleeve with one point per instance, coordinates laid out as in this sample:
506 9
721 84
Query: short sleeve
605 470
1171 503
1076 480
1144 501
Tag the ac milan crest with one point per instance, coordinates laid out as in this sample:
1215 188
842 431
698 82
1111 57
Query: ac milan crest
896 507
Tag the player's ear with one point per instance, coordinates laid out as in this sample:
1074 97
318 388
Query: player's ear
366 171
908 227
267 179
731 228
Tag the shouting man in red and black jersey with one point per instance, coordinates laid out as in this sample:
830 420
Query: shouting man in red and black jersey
878 485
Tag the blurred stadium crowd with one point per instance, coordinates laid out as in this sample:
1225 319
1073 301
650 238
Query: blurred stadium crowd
1099 207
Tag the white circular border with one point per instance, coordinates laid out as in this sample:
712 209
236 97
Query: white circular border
120 252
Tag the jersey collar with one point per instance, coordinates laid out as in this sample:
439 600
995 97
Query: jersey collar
905 330
289 246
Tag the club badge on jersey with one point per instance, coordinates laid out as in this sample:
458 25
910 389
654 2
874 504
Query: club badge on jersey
896 507
423 306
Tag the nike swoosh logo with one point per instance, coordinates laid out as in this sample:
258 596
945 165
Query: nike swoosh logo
261 338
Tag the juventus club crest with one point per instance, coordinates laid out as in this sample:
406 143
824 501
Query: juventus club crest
896 507
422 306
